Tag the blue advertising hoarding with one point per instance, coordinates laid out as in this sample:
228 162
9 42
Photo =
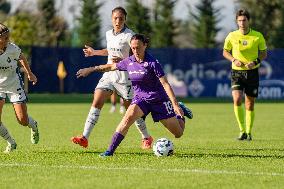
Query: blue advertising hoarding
191 72
205 73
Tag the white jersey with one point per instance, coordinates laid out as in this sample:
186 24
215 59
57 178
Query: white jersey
118 45
10 80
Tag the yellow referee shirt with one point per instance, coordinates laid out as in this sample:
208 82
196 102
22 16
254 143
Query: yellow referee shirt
244 47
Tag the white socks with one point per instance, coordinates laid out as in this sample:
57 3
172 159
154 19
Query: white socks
91 120
4 133
93 117
32 124
141 126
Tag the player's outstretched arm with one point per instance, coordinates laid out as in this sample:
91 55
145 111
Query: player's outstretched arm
102 68
116 59
171 95
23 61
89 51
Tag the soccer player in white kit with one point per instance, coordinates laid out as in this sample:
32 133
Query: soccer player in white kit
11 86
118 48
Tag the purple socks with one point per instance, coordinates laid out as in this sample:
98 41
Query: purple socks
116 140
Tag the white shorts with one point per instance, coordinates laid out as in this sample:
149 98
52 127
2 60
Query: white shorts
124 90
19 97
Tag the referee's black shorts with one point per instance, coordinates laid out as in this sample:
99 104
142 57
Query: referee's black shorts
245 80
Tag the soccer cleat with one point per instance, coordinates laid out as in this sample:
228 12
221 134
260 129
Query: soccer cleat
147 143
242 136
249 137
106 154
34 135
81 140
10 148
187 112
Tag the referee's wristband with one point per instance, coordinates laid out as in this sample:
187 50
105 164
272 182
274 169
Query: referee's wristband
257 61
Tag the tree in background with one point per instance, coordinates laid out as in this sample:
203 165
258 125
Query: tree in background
61 34
277 40
164 24
5 8
183 37
265 17
204 27
55 27
90 24
24 28
75 40
138 17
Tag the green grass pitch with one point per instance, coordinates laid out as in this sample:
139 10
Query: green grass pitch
206 156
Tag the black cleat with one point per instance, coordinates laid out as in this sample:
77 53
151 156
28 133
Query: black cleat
249 137
187 112
243 136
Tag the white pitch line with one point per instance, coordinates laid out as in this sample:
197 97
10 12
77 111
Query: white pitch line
201 171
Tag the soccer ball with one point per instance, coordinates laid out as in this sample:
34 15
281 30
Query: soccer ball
163 147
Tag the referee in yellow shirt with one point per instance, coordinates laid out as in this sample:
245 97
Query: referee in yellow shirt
245 48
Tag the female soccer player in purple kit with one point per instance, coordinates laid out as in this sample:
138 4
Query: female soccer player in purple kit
152 93
118 47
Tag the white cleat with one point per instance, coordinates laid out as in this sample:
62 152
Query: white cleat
10 148
34 135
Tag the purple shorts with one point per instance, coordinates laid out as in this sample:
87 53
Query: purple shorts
159 110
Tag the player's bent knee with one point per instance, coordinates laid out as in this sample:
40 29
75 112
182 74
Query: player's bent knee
23 121
250 106
98 105
238 102
178 135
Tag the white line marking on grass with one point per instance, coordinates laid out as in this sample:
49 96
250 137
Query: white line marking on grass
201 171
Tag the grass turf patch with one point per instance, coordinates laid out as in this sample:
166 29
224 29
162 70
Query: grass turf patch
207 156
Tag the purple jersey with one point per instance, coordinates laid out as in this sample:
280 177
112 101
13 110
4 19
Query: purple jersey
145 78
